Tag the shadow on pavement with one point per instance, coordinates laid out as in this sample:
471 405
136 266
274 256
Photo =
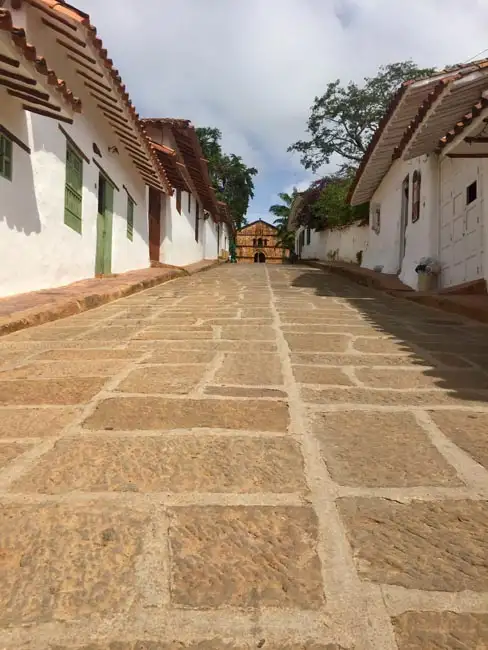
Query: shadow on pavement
453 350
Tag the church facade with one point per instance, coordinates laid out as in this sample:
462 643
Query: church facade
257 242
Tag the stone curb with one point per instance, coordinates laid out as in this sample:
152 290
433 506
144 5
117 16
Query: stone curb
367 279
62 308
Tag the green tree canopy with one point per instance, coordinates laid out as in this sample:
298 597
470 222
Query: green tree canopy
232 179
343 120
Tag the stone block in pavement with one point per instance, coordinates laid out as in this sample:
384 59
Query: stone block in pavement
422 378
321 375
429 545
49 391
245 557
73 368
380 450
173 464
11 450
441 631
248 333
317 342
132 413
62 563
250 369
163 379
467 430
34 423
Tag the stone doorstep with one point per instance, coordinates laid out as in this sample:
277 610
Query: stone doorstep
37 307
366 277
469 304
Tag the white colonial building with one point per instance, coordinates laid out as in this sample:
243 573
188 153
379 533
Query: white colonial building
194 225
345 243
82 191
425 175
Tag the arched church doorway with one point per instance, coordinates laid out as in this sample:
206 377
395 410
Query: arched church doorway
259 258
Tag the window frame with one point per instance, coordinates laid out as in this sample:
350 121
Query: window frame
376 218
474 185
416 194
178 201
197 221
71 219
6 143
130 218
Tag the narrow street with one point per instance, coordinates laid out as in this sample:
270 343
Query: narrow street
257 456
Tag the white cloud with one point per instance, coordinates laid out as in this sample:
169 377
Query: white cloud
253 68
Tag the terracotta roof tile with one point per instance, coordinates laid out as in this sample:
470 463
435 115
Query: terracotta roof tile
173 169
71 13
450 74
468 118
190 149
29 52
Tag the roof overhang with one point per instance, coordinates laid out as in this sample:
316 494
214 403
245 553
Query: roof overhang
469 137
441 112
189 148
175 171
69 30
26 78
379 155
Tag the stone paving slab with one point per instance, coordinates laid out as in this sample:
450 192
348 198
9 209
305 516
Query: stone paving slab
253 457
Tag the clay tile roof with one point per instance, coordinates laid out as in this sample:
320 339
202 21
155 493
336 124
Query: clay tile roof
225 214
408 107
169 159
459 127
70 13
188 146
19 39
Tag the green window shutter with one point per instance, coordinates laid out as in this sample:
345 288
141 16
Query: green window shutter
130 218
73 189
5 157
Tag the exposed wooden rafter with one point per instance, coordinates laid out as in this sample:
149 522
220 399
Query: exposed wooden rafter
41 111
63 32
33 100
17 77
26 89
72 49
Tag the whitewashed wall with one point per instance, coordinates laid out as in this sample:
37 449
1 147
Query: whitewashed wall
37 248
179 247
421 237
225 236
209 228
340 243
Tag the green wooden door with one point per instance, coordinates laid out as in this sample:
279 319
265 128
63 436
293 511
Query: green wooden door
103 259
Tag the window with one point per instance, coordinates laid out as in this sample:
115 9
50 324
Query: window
178 200
130 218
5 157
376 218
416 178
189 203
471 193
309 234
73 189
260 243
197 217
265 242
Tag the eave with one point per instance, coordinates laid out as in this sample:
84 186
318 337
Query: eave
188 147
71 32
27 79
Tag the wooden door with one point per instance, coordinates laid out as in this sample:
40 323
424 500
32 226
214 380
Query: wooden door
103 258
154 224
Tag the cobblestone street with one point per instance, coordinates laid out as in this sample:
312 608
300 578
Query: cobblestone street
254 457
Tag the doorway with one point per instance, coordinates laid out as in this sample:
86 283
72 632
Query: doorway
259 258
154 224
103 258
404 219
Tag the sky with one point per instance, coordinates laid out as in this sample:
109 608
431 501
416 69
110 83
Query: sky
252 68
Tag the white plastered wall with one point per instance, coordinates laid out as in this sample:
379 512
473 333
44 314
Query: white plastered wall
179 246
342 244
38 250
421 237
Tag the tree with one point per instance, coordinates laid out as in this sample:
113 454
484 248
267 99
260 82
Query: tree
331 209
282 210
344 119
232 179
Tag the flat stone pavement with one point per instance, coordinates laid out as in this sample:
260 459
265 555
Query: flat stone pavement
254 457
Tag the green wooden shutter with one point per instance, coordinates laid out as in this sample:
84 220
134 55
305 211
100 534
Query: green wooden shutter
73 189
5 157
130 218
